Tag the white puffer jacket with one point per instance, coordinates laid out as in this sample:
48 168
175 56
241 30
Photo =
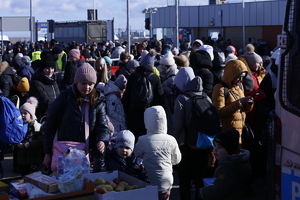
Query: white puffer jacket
158 149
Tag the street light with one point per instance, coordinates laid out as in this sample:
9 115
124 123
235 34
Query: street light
128 27
150 11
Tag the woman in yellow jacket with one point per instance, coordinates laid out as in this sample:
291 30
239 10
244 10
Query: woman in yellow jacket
229 99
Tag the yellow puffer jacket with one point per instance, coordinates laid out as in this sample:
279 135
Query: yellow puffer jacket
231 111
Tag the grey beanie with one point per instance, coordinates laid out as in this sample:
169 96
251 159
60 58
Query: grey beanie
125 138
132 64
26 59
252 58
121 82
148 60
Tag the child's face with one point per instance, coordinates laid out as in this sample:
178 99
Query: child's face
124 152
219 151
25 116
85 88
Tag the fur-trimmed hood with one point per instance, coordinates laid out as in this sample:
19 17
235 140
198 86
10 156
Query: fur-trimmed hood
3 66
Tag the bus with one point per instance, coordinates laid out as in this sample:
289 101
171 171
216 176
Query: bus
283 126
5 40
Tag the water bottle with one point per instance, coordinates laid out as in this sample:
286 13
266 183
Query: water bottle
60 165
85 166
68 166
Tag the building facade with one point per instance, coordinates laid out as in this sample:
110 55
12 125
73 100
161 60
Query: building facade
259 21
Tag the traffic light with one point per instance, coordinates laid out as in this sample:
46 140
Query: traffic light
147 23
50 26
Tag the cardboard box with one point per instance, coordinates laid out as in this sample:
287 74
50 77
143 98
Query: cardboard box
46 183
86 194
145 192
4 196
4 187
19 189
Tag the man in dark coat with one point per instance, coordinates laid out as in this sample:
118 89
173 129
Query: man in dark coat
8 56
135 116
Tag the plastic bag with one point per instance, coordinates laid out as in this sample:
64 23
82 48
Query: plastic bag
35 192
75 156
71 181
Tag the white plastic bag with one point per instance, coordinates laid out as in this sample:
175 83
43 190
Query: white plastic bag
75 157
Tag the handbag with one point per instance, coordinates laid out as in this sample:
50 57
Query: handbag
205 141
247 135
62 148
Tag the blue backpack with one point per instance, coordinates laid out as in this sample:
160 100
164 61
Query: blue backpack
12 128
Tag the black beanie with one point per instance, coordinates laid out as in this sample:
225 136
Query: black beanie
200 59
47 61
56 50
229 139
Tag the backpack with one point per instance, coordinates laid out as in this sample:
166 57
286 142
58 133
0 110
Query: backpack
204 124
171 97
12 128
142 92
219 59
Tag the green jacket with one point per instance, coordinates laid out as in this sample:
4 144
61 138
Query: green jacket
61 62
233 172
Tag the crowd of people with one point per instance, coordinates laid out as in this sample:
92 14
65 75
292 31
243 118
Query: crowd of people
135 120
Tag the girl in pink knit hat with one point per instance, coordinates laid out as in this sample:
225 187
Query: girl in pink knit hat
78 114
28 153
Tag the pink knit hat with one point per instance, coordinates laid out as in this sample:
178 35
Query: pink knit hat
30 106
85 73
74 53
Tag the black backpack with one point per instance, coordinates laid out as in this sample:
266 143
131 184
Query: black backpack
205 118
142 92
219 59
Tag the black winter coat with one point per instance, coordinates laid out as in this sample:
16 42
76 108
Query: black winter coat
135 117
45 89
64 115
207 79
6 79
131 165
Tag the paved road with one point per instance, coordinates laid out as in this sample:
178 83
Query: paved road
258 183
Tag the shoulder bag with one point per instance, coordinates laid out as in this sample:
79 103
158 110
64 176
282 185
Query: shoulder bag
62 148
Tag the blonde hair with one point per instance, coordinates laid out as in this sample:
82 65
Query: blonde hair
102 76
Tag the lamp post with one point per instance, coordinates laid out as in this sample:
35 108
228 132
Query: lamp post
150 11
176 22
31 23
128 27
243 5
94 11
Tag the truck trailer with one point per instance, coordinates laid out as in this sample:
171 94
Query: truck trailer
84 31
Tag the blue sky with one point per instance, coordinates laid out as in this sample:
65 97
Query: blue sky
73 10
